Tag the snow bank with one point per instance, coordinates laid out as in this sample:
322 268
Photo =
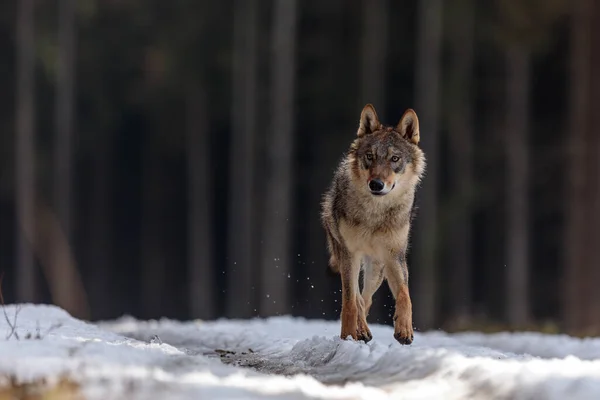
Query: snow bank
437 365
291 358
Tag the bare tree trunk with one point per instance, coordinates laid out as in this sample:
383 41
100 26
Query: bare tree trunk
64 114
517 230
374 53
428 70
593 142
200 238
275 255
325 34
587 298
101 250
63 159
460 120
25 150
241 269
55 257
153 254
574 268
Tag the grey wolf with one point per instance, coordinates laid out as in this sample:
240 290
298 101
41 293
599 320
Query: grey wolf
367 213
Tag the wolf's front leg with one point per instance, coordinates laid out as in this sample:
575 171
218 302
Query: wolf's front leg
362 328
397 277
350 270
372 280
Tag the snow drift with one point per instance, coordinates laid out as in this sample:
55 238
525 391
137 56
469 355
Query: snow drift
289 358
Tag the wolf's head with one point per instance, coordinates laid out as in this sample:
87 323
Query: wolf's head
386 159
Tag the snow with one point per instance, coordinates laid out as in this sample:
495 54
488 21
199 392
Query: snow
289 358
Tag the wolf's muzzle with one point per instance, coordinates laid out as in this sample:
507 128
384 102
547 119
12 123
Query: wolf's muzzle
376 186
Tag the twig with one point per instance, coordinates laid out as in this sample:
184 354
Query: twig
52 327
13 325
38 333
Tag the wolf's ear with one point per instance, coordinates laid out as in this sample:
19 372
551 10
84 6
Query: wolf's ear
409 126
369 122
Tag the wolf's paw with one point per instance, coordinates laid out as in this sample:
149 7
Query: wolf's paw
350 330
404 337
364 334
403 333
349 336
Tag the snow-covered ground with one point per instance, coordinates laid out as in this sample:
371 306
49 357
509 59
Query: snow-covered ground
289 358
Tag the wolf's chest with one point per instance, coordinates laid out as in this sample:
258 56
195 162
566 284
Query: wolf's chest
379 241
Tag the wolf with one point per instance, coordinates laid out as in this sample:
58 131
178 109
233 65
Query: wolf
367 213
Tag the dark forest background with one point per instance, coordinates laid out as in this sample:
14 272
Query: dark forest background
168 158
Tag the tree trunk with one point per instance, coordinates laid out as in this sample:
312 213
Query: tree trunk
574 267
517 229
200 238
25 151
582 302
153 253
56 258
593 142
64 114
428 70
64 290
320 283
460 124
277 225
241 269
374 54
100 253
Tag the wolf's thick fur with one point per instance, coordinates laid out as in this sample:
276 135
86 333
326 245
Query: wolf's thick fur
367 213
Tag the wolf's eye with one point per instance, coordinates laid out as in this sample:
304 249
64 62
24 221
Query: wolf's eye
369 156
395 159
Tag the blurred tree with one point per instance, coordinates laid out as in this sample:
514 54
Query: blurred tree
581 299
56 259
159 143
98 123
592 250
200 237
279 183
459 112
322 62
155 152
517 190
522 29
427 96
187 66
100 250
575 277
154 215
25 152
488 156
241 269
65 89
67 288
374 54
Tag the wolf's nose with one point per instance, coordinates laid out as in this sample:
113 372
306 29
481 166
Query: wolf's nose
376 185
